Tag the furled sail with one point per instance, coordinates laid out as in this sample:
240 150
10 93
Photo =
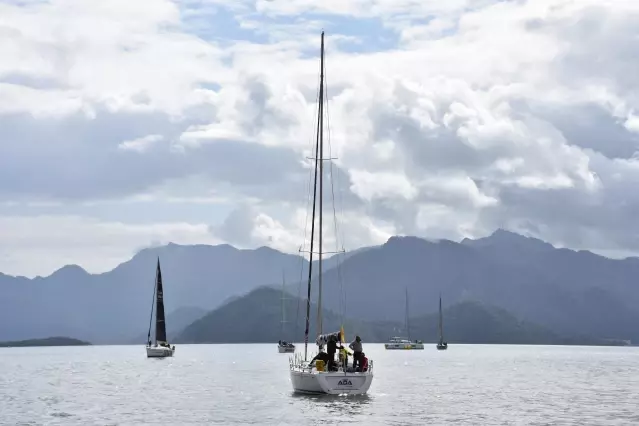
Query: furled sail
323 339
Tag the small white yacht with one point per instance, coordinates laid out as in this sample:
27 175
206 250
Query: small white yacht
401 343
285 347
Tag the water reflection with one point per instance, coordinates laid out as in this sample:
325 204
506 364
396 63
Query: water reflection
336 405
485 385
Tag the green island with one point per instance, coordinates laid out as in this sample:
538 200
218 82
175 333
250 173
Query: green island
48 341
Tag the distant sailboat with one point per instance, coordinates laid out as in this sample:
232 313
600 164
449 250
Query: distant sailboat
403 343
284 346
161 348
441 345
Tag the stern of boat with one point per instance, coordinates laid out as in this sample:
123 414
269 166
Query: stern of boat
159 352
303 378
285 349
339 383
310 381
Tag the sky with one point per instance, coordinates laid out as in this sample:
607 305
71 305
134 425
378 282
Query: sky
128 124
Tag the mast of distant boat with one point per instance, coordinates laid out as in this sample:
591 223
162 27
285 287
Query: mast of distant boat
283 306
318 165
441 333
407 316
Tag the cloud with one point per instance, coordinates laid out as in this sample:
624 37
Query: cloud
368 185
247 227
447 119
140 144
72 240
237 228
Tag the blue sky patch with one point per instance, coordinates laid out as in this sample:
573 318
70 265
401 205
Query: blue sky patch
226 25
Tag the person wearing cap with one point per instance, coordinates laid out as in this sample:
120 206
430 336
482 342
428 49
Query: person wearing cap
356 347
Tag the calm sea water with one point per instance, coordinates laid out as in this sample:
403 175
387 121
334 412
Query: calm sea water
249 384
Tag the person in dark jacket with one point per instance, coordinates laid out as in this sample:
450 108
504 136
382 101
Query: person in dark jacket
356 347
331 349
322 356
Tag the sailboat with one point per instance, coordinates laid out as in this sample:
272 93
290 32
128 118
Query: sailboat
441 345
314 378
282 345
403 343
161 347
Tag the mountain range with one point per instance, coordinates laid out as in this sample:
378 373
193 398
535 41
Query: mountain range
570 292
256 318
567 292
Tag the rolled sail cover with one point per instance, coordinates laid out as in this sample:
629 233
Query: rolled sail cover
322 339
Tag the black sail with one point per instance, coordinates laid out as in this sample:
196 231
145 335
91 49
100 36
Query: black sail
160 326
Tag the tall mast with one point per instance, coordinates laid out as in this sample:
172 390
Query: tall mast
317 161
283 307
441 334
407 316
320 135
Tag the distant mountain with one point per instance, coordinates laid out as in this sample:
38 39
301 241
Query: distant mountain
49 341
475 322
568 292
108 307
255 318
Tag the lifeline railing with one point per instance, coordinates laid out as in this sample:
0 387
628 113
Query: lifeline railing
298 363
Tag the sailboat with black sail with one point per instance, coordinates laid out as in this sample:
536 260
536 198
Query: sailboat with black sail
441 345
309 377
161 347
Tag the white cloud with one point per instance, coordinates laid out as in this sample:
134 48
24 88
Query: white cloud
127 57
368 185
41 244
140 144
632 123
448 118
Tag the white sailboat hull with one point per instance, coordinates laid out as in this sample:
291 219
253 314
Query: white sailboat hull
310 381
285 349
159 352
330 383
403 346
